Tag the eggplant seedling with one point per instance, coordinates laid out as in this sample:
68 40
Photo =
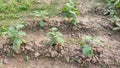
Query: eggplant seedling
70 11
55 36
87 43
15 36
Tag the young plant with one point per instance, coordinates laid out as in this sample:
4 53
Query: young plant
71 12
41 23
87 43
43 15
87 50
15 36
55 36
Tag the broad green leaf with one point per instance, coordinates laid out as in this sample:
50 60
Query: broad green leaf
68 5
58 34
87 50
41 23
19 26
73 22
3 33
72 12
37 13
10 34
12 29
50 34
16 44
60 40
21 33
54 29
52 41
55 36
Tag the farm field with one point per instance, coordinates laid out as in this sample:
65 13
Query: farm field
59 33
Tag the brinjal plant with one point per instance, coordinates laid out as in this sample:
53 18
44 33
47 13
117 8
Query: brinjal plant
15 36
87 43
42 14
70 11
55 36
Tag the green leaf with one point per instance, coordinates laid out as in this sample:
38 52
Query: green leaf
73 12
87 50
12 29
59 34
41 23
68 5
19 26
60 40
50 34
16 44
54 29
56 36
52 41
73 22
21 33
3 33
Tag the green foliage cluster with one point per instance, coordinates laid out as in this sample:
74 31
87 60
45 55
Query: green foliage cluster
87 43
15 36
113 10
70 11
55 36
9 7
42 14
113 6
